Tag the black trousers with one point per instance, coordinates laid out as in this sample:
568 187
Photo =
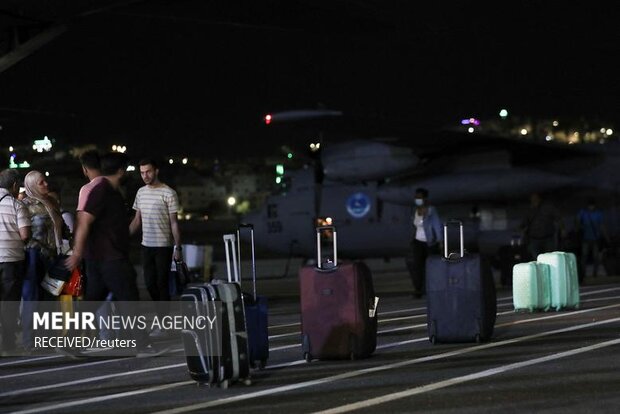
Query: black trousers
119 277
11 281
416 263
156 263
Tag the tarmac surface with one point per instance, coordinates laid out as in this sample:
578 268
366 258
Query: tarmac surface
556 362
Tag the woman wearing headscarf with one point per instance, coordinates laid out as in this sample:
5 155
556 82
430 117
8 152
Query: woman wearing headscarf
42 248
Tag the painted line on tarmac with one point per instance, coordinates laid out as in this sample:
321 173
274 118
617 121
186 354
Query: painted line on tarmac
45 371
463 379
600 299
384 346
366 371
423 315
280 348
393 312
79 365
29 360
390 345
21 361
103 398
306 384
86 380
594 292
556 315
511 312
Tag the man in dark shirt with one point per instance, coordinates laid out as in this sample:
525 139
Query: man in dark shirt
541 226
102 240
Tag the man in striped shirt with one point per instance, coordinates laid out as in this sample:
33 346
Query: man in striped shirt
156 207
14 231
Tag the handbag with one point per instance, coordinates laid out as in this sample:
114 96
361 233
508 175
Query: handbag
57 269
75 285
52 285
179 278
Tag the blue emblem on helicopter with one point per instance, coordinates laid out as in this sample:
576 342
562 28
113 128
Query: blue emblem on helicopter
358 205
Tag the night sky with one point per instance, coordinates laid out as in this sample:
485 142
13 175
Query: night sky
173 77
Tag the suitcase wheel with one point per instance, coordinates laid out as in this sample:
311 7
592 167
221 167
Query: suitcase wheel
432 339
307 356
224 384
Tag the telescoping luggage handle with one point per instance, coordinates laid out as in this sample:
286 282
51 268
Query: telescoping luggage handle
251 227
231 262
445 238
318 245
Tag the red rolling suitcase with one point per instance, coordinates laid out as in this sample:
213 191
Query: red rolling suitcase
338 307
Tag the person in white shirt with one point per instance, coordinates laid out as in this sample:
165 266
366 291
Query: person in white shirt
156 207
15 228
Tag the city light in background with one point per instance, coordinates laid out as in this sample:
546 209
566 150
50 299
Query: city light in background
42 145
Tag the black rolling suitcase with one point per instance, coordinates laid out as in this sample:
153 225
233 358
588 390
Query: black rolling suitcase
460 292
218 355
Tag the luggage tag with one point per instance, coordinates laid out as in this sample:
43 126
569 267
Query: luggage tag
373 309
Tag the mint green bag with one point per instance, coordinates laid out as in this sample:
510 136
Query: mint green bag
530 286
563 279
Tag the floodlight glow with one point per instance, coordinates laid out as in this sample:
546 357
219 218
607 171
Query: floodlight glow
113 147
278 180
280 169
47 173
289 155
131 168
555 123
523 131
268 119
184 161
549 138
609 131
329 221
231 201
603 130
503 113
470 130
11 149
170 161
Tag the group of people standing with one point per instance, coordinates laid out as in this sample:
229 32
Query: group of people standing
32 231
542 230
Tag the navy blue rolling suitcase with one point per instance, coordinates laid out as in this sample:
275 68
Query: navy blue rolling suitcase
461 298
256 311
